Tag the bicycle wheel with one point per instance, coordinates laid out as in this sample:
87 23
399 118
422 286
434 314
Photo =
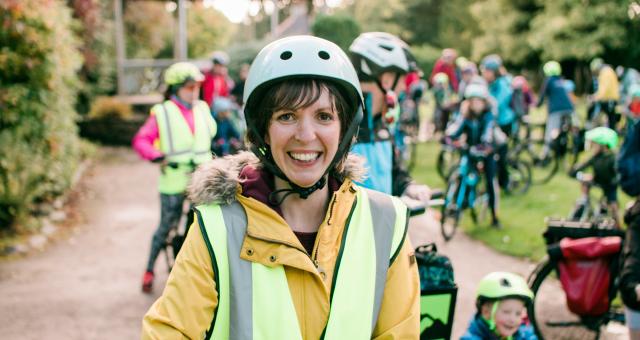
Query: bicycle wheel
549 314
450 212
519 176
448 159
543 168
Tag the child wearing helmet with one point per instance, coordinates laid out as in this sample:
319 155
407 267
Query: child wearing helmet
502 300
523 97
216 80
177 135
476 121
285 243
382 61
559 106
603 141
445 101
228 139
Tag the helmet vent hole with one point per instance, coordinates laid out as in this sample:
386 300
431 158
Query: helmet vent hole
505 283
324 55
386 47
286 55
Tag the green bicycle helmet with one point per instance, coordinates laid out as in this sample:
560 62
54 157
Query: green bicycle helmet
300 57
181 72
552 68
441 78
503 285
498 286
604 136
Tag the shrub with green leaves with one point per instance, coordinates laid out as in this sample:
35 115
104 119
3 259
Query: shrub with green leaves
341 29
39 142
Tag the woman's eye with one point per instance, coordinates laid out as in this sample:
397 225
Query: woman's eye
325 116
285 117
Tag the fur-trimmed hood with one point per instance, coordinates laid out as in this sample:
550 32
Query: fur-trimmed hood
216 181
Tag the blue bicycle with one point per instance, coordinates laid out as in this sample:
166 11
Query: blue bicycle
464 190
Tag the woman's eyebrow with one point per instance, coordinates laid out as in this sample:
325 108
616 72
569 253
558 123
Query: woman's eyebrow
325 109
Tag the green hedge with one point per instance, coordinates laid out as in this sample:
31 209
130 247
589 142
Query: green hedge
39 142
339 28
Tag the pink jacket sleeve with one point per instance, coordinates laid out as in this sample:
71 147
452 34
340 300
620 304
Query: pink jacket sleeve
143 141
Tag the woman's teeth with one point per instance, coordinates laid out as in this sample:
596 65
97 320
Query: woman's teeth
304 157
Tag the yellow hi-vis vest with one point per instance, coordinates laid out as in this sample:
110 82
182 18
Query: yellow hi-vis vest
183 149
254 301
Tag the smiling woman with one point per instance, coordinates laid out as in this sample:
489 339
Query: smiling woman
286 245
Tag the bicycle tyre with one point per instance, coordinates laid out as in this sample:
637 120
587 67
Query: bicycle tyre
519 176
549 314
446 162
542 170
449 212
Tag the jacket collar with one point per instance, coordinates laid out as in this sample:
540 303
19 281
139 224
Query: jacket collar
218 180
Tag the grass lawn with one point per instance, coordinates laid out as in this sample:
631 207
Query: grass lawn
522 216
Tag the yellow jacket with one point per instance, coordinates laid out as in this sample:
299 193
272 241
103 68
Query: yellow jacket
186 308
608 85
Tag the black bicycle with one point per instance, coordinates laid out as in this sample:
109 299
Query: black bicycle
550 314
563 151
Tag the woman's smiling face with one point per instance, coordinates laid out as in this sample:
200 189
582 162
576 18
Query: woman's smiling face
304 141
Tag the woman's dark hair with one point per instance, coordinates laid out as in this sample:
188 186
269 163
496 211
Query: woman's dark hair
295 94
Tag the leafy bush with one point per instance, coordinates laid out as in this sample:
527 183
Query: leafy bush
341 29
109 108
38 136
426 56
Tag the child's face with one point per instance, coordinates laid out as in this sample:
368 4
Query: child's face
223 114
476 105
595 148
509 316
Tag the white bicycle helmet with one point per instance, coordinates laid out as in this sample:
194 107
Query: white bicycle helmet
374 53
298 57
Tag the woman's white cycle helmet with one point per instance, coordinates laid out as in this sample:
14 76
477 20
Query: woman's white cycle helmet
300 57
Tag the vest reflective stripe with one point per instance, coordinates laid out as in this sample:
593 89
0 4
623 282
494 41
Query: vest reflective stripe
361 269
180 145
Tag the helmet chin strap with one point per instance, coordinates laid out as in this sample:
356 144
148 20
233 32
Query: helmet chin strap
264 155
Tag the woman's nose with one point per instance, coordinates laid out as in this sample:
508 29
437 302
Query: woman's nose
305 131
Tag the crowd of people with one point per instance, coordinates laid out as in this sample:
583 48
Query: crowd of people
290 239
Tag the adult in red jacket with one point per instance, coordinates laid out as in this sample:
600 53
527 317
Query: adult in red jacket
446 64
216 83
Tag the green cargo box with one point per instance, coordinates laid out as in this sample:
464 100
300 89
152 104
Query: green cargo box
437 307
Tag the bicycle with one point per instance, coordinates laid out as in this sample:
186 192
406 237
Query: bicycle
549 313
564 149
584 210
175 238
519 170
462 192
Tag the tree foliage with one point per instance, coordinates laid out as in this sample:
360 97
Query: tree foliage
39 59
341 29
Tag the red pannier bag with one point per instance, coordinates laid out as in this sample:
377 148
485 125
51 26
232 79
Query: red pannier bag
585 273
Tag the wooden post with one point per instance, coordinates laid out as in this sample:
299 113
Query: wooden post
120 45
274 19
180 46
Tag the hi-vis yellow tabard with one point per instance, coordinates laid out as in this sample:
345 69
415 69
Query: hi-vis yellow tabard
254 301
180 146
